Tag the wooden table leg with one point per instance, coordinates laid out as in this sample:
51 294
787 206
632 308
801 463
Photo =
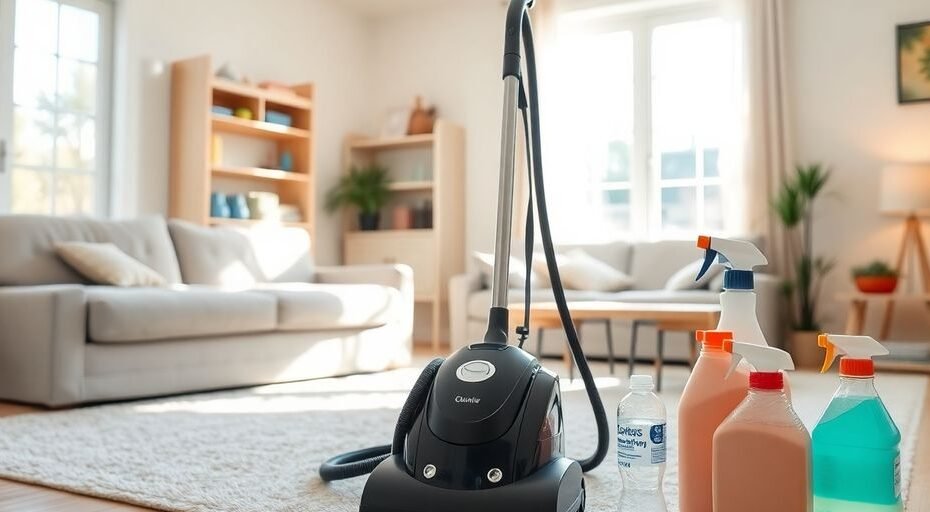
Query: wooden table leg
634 333
610 346
886 320
660 352
855 319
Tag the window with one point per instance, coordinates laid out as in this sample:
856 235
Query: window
58 117
638 126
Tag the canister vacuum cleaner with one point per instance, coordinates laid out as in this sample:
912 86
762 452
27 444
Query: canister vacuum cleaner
482 431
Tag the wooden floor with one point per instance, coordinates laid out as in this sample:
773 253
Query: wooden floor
18 497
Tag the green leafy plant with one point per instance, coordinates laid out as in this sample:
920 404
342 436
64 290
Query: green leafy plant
877 268
794 207
925 64
364 188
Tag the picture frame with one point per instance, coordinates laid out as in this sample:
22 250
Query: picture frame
912 58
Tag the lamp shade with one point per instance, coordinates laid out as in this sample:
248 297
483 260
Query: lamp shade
906 189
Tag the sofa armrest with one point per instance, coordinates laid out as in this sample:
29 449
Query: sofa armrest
460 289
42 337
395 276
770 305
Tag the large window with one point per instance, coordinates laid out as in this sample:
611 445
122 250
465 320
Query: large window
56 107
638 124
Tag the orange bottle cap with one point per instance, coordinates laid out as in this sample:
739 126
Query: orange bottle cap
857 367
713 339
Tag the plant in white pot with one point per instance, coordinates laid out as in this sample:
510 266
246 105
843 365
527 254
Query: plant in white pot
794 207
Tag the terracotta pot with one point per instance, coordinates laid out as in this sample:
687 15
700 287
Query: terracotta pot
804 350
877 284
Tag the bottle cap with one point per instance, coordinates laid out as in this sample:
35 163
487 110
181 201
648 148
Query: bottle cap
857 352
641 382
713 338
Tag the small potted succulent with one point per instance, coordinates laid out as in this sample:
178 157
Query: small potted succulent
366 189
876 277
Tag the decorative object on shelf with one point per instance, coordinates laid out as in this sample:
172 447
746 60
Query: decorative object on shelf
913 62
421 118
290 213
221 110
219 207
238 206
286 161
273 116
263 205
396 123
905 192
423 215
794 207
243 113
228 72
402 217
366 189
216 150
876 277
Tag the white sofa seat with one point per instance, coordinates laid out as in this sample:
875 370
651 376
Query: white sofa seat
315 306
125 315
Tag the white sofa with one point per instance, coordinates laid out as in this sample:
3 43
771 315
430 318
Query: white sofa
242 307
650 264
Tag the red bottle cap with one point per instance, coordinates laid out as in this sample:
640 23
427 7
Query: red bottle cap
766 380
857 367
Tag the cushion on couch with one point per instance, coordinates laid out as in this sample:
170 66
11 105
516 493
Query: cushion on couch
106 264
27 246
314 307
121 315
223 256
655 262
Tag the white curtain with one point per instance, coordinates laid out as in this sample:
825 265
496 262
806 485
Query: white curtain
766 155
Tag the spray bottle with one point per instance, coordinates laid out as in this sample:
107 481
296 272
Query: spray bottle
855 443
738 300
709 397
762 452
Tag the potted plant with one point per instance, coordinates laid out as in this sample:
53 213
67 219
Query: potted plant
794 207
364 188
876 277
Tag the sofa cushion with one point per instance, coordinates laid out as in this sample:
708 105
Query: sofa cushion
106 264
123 315
224 256
27 246
314 306
480 301
655 262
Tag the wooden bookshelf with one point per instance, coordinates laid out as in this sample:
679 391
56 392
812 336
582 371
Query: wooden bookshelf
195 173
435 254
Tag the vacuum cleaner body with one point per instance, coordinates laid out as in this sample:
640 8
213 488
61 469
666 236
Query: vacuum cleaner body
489 438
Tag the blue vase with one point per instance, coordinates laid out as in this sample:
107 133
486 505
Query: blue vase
238 206
219 207
286 161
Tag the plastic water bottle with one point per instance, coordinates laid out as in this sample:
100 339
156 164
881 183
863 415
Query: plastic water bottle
641 436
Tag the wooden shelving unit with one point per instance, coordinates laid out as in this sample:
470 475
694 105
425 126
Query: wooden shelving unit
435 254
195 173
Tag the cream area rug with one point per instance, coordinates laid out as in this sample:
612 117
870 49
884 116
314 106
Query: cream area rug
258 449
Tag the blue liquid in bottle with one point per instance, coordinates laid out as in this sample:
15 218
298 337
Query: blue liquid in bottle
856 458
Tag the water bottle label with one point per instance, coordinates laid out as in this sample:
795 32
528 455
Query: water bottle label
640 444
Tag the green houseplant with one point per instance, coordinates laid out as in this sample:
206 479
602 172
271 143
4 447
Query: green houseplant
876 277
364 188
794 207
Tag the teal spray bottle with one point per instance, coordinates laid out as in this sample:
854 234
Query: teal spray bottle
855 444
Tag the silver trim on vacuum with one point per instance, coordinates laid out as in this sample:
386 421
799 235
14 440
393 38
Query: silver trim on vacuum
500 281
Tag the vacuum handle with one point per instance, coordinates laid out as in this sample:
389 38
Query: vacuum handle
513 36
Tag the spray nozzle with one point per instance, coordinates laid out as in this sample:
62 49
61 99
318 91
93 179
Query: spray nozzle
852 348
763 359
735 254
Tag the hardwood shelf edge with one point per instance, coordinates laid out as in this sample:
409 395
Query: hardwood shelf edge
263 173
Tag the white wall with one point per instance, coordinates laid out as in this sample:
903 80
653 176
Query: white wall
286 40
451 54
842 59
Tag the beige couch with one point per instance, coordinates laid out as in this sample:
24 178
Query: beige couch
651 264
242 307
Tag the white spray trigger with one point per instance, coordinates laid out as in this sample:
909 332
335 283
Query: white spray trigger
852 347
762 358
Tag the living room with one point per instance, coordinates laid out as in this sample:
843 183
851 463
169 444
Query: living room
235 232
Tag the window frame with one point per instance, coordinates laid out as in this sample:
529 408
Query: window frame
646 183
100 173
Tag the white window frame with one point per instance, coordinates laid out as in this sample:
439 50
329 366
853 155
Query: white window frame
101 171
645 168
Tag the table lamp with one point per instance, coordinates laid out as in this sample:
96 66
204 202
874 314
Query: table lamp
906 192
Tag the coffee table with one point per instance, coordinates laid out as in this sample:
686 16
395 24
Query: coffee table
664 316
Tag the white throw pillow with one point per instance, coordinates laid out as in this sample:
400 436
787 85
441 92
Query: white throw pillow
485 263
106 264
683 279
581 271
